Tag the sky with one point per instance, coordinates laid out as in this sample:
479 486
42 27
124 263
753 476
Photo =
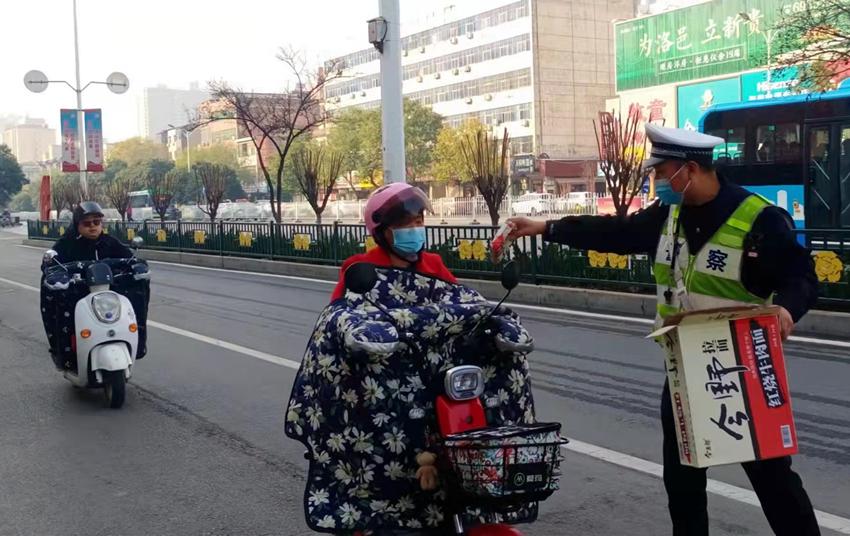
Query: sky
175 43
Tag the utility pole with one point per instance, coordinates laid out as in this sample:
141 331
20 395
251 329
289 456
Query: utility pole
392 105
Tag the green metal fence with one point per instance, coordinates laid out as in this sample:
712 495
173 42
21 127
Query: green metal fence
465 250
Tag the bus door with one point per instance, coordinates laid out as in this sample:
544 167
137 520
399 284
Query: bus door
828 175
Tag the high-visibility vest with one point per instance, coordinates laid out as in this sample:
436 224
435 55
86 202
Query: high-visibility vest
712 277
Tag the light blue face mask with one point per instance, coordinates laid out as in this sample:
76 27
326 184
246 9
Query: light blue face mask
409 241
665 192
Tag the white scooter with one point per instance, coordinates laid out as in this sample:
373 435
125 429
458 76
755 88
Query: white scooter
106 333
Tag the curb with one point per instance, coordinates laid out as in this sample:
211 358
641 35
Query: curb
826 324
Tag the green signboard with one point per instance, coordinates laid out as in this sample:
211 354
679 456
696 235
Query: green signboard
695 99
783 83
710 39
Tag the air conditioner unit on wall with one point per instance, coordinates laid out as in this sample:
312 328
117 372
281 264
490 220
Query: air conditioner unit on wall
467 69
436 76
469 100
453 40
419 78
456 72
526 123
488 97
470 35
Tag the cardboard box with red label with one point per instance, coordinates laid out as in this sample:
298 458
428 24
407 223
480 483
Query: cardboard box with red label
728 386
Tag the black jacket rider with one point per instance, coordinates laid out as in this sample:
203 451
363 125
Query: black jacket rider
72 247
57 306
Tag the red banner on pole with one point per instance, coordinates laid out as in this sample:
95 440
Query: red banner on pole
94 140
70 139
44 200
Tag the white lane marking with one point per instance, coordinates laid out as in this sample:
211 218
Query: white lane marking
539 308
19 285
242 272
197 336
288 363
728 491
826 520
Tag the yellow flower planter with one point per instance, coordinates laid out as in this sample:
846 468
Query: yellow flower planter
828 266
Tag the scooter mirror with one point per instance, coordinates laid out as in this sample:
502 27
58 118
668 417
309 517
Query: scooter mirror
360 277
49 255
510 275
137 242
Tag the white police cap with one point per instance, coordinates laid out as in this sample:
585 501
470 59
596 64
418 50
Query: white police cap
679 144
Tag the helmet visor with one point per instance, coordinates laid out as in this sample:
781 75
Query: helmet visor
407 203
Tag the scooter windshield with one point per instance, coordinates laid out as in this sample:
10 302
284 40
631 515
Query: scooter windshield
363 400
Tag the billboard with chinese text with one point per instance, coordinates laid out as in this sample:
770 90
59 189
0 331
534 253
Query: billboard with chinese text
700 41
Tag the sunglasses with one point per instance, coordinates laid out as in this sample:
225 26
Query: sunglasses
91 223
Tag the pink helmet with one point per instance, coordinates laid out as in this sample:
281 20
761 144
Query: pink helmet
393 202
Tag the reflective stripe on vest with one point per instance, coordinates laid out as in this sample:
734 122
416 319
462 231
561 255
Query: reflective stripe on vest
712 277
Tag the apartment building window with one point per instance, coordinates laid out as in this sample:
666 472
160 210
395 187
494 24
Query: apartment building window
443 64
495 17
474 88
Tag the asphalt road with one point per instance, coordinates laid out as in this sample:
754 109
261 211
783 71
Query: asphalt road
199 447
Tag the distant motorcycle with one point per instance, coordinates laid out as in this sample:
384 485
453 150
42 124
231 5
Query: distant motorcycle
105 338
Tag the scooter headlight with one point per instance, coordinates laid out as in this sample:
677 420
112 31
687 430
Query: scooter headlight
106 307
464 383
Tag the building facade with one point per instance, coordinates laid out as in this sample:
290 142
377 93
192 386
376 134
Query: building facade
162 106
540 68
676 64
672 67
31 141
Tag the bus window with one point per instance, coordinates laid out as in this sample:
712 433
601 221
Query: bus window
731 152
844 175
778 143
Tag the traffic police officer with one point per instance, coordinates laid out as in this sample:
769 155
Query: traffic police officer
732 248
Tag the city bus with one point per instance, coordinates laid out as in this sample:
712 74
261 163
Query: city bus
793 150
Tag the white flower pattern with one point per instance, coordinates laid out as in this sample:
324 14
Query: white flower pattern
350 408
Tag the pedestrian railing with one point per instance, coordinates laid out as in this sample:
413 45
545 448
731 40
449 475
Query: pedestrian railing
464 249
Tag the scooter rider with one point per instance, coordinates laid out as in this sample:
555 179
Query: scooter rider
395 218
84 241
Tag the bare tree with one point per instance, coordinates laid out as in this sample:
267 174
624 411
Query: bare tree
161 187
117 192
274 122
814 37
212 181
316 172
486 160
621 148
66 193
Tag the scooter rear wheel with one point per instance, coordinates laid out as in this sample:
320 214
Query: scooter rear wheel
114 388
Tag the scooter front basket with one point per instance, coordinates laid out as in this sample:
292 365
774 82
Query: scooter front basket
507 465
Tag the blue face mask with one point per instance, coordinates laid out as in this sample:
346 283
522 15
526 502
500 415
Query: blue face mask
409 240
665 192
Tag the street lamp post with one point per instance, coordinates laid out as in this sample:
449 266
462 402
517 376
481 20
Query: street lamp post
768 36
36 81
385 35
